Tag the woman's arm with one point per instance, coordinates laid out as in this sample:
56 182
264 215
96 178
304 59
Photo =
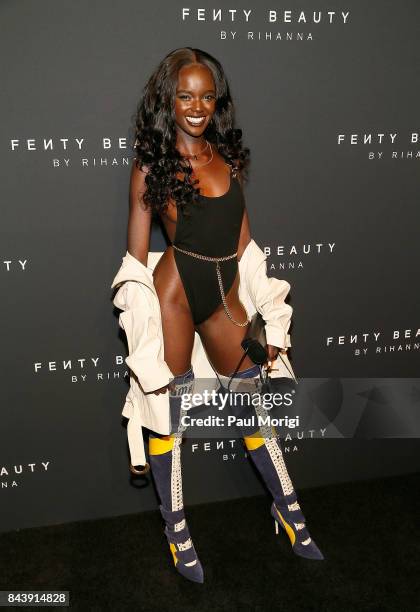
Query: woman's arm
139 223
139 218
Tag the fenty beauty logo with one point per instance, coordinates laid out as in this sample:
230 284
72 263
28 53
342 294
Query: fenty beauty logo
10 474
83 369
378 342
232 18
65 144
295 254
381 145
271 16
231 449
64 151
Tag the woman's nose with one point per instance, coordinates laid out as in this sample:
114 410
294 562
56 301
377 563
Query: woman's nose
197 106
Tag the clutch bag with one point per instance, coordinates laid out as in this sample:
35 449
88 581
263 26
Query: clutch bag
255 340
255 343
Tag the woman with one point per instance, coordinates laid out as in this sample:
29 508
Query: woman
189 171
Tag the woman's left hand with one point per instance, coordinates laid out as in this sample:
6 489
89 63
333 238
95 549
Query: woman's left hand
273 352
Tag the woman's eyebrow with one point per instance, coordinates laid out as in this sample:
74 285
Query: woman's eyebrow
188 91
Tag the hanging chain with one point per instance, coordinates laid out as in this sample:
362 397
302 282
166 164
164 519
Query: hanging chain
219 278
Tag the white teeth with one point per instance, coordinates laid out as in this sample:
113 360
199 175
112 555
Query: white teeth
196 120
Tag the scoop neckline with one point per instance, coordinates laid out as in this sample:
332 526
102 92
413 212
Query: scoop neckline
223 194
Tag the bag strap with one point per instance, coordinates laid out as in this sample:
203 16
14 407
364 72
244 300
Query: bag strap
293 376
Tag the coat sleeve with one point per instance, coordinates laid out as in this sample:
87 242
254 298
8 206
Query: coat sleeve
268 295
143 330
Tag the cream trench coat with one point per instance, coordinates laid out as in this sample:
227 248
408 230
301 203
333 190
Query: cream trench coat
141 320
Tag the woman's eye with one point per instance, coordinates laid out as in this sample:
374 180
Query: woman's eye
185 96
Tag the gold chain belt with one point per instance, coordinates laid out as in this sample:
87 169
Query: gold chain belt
219 278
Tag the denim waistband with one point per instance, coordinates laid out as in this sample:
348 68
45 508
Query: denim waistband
248 373
188 376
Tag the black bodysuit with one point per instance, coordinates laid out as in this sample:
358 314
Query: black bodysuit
212 229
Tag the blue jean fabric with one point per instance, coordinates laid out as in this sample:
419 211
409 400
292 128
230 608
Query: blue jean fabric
248 373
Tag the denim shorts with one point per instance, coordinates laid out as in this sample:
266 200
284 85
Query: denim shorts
250 372
246 379
182 383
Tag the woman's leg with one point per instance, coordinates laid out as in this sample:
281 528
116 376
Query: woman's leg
221 337
165 451
178 339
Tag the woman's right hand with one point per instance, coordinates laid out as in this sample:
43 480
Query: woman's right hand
163 389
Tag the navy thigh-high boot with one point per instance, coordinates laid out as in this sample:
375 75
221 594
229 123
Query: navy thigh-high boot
165 464
263 446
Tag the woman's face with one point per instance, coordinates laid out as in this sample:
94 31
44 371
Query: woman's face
195 98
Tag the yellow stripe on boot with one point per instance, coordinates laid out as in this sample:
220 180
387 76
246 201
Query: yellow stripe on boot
161 445
254 441
288 528
172 548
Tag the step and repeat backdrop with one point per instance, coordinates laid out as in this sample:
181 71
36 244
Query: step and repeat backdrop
327 97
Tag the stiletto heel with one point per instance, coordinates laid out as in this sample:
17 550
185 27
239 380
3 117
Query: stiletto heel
276 526
290 517
181 546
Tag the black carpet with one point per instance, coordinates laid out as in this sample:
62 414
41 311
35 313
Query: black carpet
366 530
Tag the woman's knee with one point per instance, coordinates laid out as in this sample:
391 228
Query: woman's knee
181 383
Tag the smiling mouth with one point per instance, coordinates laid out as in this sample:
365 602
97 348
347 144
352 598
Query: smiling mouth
195 120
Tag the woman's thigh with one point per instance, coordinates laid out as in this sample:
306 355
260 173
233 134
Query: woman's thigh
178 337
222 339
177 323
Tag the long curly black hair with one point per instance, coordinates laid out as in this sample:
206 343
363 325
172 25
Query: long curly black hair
155 133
